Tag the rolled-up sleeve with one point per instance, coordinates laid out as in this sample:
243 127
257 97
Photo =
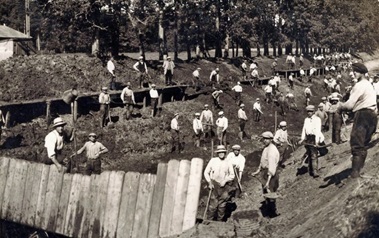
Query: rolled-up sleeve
273 159
50 142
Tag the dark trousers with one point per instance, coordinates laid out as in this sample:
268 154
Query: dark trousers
237 96
269 204
291 83
93 166
175 141
168 77
141 78
241 124
217 204
112 84
257 115
154 103
104 114
312 154
336 127
364 126
129 110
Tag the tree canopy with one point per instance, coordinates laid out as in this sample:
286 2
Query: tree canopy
176 25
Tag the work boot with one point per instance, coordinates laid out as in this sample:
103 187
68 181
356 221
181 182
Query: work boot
356 165
314 166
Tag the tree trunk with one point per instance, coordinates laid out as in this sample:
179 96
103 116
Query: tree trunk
274 49
233 55
265 47
226 47
161 36
297 47
280 49
218 53
237 49
141 44
258 49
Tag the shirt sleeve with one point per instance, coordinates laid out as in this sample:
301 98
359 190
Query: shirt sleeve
356 92
225 123
303 131
231 175
50 141
241 165
135 66
273 158
82 149
208 170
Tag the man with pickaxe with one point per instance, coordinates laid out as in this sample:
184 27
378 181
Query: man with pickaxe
238 162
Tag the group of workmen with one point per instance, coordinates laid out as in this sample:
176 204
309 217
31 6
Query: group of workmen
223 173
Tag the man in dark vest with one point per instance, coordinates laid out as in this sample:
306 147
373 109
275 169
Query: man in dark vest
141 68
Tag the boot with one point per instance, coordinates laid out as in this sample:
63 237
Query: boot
314 171
357 165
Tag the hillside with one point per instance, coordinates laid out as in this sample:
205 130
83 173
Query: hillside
308 207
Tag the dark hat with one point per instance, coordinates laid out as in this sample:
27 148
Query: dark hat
360 68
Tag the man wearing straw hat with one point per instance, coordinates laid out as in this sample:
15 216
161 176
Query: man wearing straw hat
54 142
220 175
268 174
168 70
197 128
206 118
127 97
104 100
141 68
93 150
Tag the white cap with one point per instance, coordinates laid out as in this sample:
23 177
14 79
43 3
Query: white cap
221 113
197 114
283 123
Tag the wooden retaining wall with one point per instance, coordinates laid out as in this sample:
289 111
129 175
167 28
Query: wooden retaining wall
112 204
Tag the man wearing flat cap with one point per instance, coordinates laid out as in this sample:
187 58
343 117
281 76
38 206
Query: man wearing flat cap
313 137
54 142
222 125
362 102
154 97
104 100
93 150
206 118
127 97
267 171
220 175
197 128
238 161
141 69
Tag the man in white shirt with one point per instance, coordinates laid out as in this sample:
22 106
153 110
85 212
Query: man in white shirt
277 80
267 172
254 77
244 70
154 97
268 93
273 66
238 162
291 80
313 137
308 95
197 128
215 77
282 143
206 118
237 92
257 110
222 125
302 74
127 97
220 175
289 61
242 119
168 70
216 98
362 102
175 140
104 100
111 69
272 83
54 142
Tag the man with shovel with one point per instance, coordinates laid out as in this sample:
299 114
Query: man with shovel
267 173
238 162
104 100
220 175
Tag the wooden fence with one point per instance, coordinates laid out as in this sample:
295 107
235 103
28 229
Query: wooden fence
112 204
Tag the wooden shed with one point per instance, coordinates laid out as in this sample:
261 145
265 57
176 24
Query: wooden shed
13 42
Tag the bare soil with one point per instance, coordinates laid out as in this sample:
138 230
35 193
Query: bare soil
330 206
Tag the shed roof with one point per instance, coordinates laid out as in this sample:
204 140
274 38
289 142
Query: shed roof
9 33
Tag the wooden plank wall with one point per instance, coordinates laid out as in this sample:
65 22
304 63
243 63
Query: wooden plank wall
112 204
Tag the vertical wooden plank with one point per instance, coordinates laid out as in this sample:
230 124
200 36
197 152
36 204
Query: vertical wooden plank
193 194
29 204
53 193
109 227
169 198
42 195
100 204
75 191
8 188
17 191
4 167
180 197
82 205
128 204
158 194
90 217
143 206
63 203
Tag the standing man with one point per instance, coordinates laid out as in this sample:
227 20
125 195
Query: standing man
289 61
312 136
302 74
267 172
290 80
238 162
154 96
273 66
244 70
93 150
168 70
104 100
216 98
127 97
196 76
257 110
175 134
222 125
301 60
242 119
141 68
336 119
272 83
54 142
277 80
323 115
308 95
220 175
198 129
237 92
282 143
215 77
111 68
206 118
362 102
254 76
268 93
